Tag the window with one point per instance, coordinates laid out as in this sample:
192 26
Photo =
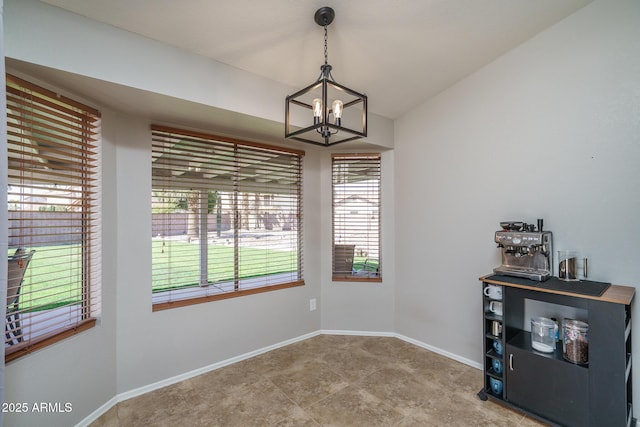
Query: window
356 217
227 218
54 222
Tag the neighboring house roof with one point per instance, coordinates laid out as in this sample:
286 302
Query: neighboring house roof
354 199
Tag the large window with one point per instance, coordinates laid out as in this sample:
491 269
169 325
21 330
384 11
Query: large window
356 217
226 218
53 211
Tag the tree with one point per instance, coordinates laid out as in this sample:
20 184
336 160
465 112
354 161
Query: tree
191 203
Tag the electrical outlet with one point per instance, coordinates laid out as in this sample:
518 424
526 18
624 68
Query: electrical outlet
312 304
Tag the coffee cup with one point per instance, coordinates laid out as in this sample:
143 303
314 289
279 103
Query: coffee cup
496 385
493 292
496 364
495 307
496 328
497 346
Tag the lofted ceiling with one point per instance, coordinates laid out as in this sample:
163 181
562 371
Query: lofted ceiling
398 52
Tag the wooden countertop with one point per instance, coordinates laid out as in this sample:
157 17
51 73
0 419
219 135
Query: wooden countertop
615 293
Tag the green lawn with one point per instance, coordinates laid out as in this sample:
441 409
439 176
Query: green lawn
52 268
185 256
47 278
46 283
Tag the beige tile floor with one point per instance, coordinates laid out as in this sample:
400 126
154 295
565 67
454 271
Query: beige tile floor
327 380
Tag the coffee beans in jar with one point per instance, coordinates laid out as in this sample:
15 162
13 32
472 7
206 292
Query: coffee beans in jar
575 343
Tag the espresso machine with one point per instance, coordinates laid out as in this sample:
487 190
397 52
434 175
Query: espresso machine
527 251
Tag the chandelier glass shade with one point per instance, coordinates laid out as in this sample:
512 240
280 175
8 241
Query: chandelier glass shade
326 112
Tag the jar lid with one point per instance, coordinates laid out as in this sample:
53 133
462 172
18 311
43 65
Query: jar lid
543 321
575 324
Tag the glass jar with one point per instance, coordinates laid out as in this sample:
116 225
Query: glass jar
543 336
575 342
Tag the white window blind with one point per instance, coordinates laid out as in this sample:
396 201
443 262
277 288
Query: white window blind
54 220
227 217
356 217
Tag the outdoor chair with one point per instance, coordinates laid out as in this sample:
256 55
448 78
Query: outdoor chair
369 268
18 263
343 259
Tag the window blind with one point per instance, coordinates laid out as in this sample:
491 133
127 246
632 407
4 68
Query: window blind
227 217
54 217
356 205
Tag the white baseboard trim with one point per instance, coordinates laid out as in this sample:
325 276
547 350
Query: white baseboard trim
356 333
185 376
445 353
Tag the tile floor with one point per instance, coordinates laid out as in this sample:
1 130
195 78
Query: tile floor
327 380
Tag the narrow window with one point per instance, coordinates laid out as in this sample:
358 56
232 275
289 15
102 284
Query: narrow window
54 220
356 217
226 218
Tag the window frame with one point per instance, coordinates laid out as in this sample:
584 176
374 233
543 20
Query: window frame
53 144
345 252
158 132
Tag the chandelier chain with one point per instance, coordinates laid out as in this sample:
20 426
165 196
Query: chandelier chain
325 45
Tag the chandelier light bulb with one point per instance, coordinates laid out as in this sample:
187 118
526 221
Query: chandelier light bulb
336 108
317 107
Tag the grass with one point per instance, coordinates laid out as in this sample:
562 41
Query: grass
52 268
183 259
46 282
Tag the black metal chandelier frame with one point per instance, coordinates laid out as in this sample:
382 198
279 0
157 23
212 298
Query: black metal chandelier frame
324 131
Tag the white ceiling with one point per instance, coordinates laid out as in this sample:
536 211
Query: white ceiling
398 52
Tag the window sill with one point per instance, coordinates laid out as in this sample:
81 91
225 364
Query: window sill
22 349
222 296
355 279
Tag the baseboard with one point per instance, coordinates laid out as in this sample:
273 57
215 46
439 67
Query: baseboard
356 333
98 412
185 376
437 350
445 353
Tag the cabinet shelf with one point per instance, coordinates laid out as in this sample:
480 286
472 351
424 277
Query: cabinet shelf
492 373
492 337
492 316
494 354
490 392
522 340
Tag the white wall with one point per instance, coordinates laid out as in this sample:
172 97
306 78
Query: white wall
550 130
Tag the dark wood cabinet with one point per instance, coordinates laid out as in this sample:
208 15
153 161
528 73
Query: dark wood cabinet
545 385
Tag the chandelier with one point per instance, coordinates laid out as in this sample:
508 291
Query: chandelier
325 112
